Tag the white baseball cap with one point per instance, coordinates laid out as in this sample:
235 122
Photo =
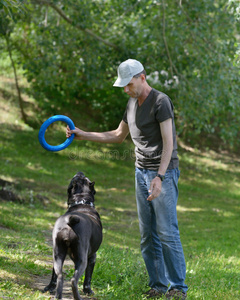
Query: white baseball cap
127 70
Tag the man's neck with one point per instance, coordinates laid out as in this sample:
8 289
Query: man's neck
144 95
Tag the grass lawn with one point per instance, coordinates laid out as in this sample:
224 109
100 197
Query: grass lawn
208 212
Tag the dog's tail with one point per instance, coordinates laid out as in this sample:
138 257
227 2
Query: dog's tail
73 220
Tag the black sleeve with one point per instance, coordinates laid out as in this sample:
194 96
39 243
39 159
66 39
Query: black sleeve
125 117
164 109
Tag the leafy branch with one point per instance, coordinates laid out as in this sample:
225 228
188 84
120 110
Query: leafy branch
11 5
80 27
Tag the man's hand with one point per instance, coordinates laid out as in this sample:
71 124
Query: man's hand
78 133
155 188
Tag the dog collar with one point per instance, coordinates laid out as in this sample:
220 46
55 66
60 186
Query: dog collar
83 201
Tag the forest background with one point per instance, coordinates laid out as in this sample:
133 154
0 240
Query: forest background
69 52
61 57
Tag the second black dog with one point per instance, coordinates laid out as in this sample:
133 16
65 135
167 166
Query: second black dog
77 233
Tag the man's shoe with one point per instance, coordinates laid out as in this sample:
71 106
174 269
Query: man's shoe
152 293
176 295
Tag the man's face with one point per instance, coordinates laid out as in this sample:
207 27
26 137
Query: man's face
134 88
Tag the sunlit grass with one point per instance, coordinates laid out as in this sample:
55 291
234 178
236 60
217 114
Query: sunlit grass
208 214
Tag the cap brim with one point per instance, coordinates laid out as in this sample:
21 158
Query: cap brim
122 82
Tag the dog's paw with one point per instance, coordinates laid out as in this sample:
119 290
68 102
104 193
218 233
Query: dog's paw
88 291
46 289
49 288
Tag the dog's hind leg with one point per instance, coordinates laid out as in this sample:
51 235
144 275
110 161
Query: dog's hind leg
88 275
80 266
59 257
52 285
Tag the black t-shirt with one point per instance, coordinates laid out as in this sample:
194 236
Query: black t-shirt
143 122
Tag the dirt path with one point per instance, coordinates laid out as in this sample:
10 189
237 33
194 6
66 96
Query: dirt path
39 283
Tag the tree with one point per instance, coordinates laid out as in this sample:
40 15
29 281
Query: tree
70 51
5 31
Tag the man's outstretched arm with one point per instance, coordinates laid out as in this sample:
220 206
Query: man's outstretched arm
114 136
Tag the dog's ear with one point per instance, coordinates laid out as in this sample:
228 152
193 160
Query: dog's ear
69 191
91 185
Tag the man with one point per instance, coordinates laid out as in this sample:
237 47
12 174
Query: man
149 118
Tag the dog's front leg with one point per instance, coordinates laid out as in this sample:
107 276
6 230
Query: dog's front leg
52 285
88 275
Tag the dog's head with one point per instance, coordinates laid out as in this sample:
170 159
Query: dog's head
81 188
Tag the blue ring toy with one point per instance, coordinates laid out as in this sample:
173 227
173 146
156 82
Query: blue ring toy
41 134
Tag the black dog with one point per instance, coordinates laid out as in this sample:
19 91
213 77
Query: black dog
77 233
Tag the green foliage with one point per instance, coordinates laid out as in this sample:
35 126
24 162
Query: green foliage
70 51
8 7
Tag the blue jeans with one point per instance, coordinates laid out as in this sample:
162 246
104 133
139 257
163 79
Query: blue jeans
160 240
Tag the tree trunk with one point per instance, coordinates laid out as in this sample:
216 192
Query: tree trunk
24 116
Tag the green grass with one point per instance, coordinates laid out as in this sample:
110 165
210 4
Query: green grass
208 213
